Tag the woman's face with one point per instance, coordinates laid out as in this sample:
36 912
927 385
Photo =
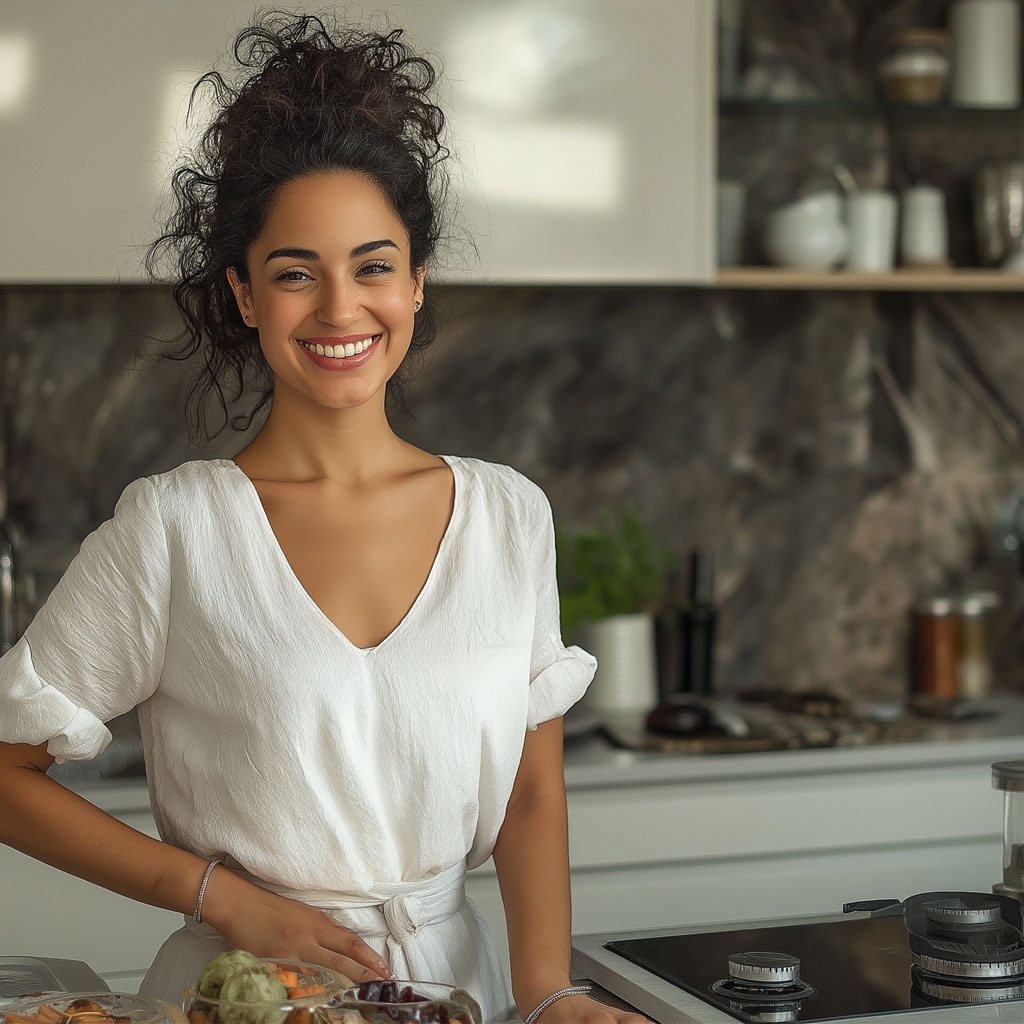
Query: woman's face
331 270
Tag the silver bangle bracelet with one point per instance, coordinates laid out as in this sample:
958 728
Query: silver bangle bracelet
198 915
572 990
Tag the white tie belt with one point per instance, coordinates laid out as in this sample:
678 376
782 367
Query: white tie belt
393 911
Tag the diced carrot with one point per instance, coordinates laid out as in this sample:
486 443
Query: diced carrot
288 978
301 991
197 1016
300 1015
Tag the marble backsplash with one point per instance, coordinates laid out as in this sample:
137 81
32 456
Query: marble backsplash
840 453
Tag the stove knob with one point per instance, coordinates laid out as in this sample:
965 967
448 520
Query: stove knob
763 968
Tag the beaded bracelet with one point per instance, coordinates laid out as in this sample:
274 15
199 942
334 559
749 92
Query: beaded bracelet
198 915
572 990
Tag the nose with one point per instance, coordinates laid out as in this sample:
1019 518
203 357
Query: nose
338 303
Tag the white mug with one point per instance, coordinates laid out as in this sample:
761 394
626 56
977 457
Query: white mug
924 233
871 218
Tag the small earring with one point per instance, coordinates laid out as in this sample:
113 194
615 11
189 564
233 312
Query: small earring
416 305
248 320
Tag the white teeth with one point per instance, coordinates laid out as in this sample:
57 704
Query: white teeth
341 351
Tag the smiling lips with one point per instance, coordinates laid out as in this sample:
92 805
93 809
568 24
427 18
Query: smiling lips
339 348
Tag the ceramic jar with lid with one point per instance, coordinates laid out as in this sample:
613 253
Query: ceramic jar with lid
915 68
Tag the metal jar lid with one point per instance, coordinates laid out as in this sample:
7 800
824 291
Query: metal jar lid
937 606
1008 776
980 602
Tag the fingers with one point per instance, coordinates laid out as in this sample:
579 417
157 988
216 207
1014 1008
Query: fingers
350 968
354 957
600 1013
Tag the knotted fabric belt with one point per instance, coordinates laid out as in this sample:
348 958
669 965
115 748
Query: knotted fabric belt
392 911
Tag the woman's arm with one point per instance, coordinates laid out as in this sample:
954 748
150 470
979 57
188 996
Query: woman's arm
43 819
532 860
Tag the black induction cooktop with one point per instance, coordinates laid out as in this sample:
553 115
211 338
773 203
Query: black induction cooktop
848 968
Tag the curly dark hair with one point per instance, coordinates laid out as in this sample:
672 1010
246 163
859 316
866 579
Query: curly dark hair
317 97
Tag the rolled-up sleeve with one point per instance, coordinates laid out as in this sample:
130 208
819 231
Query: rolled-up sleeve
559 675
96 647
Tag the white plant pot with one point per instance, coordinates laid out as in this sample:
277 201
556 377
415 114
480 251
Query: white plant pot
626 678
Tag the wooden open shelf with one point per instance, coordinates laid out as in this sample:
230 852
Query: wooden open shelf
902 280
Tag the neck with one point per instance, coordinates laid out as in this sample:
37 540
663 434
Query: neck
304 441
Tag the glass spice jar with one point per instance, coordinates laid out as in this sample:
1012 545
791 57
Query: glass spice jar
916 66
935 647
974 662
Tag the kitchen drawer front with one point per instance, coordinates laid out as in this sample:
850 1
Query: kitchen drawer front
47 912
755 817
738 889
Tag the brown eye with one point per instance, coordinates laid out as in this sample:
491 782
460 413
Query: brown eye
377 267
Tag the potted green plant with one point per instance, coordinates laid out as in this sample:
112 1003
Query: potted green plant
610 580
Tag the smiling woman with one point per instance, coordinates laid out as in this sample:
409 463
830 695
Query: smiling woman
345 650
316 105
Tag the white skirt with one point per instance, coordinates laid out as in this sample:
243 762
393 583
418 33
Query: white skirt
426 931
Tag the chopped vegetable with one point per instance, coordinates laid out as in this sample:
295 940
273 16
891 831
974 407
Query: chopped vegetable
222 966
244 991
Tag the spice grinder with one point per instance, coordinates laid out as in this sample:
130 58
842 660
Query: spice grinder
1009 777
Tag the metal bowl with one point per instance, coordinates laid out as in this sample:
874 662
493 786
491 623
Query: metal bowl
999 210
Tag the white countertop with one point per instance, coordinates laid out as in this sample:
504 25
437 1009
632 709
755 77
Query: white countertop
592 763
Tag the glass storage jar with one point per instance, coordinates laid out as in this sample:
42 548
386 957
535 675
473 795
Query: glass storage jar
1009 777
915 68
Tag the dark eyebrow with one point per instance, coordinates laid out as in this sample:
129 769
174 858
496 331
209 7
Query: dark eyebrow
382 243
311 254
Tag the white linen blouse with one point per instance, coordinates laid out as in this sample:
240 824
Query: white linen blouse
271 741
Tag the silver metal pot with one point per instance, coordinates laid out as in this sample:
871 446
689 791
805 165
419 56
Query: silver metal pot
999 210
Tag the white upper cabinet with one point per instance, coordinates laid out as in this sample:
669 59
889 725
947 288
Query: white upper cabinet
583 132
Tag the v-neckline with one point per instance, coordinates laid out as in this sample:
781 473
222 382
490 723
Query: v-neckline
282 559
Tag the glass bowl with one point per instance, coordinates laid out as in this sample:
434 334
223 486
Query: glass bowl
317 988
91 1007
406 1002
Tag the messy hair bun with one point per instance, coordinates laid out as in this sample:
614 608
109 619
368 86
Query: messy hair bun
312 97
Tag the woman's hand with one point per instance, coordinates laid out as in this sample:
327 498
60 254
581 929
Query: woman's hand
584 1010
249 917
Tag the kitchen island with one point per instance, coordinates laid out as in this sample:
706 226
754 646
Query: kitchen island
656 841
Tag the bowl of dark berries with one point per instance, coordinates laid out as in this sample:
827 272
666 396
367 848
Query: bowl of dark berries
409 1002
